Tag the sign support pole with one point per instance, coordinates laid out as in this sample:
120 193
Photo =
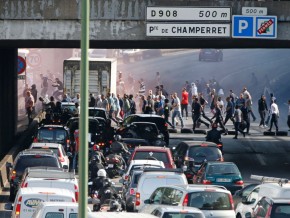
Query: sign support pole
83 127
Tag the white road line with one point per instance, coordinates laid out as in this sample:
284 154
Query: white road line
260 158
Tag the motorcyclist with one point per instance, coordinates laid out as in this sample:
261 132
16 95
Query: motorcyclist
107 192
98 182
119 148
214 135
95 166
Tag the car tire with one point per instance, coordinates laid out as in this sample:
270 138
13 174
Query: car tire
172 130
186 130
281 133
268 133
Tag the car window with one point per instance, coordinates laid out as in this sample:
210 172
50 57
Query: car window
280 210
141 155
253 195
73 215
51 135
223 169
177 196
156 196
167 197
210 153
136 178
54 215
34 161
181 215
209 200
157 213
55 150
97 113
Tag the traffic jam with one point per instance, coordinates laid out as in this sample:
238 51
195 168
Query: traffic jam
132 169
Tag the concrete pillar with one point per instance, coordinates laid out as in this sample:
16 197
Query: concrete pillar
8 98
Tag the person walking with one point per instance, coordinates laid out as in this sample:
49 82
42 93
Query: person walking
59 89
34 94
176 110
92 102
44 85
238 120
229 111
184 102
219 118
288 120
167 110
272 98
196 113
245 123
274 116
262 107
29 104
203 104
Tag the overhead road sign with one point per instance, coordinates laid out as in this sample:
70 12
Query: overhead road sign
188 14
187 30
254 11
254 27
21 65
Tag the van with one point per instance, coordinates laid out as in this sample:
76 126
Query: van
27 199
270 187
153 178
51 179
57 209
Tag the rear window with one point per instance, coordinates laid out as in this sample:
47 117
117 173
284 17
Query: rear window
35 161
280 210
223 169
54 215
210 200
160 122
51 135
210 153
161 156
97 113
55 150
181 215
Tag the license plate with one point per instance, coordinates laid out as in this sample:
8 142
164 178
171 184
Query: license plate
111 165
223 180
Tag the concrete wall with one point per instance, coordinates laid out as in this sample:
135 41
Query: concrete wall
110 19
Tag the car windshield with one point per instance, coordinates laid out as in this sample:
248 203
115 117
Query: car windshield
203 152
145 130
71 107
97 113
159 121
223 169
143 155
182 215
51 135
35 161
209 200
55 150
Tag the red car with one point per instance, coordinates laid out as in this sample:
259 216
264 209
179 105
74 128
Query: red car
154 153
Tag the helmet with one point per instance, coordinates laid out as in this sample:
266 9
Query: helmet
214 125
114 205
117 137
107 183
102 173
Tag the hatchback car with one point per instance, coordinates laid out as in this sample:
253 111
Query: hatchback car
271 208
226 174
211 54
192 154
177 212
54 134
142 130
56 148
213 201
158 120
151 152
29 158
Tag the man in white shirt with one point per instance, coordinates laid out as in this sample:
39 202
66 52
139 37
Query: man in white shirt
274 116
176 110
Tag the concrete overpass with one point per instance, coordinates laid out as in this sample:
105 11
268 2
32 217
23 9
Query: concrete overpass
114 24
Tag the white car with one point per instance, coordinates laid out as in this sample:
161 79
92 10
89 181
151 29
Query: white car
141 164
56 148
175 211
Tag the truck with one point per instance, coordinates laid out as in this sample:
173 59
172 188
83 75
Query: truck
102 75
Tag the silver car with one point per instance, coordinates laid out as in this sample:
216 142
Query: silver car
214 201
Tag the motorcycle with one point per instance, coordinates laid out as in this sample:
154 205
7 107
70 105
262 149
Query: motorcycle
115 165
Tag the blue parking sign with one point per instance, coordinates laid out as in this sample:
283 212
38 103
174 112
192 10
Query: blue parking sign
243 26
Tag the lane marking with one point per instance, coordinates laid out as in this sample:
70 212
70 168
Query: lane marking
261 160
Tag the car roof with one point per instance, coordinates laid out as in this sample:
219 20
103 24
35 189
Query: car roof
37 151
154 162
97 108
52 174
147 115
198 187
220 163
68 103
52 126
165 208
45 144
47 190
199 143
152 148
44 169
148 123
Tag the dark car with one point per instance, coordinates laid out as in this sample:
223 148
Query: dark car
98 112
192 154
53 133
142 130
158 120
225 174
211 54
29 158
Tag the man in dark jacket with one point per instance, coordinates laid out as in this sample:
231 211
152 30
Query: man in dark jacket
196 113
263 108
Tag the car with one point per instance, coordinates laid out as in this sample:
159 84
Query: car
98 112
141 164
210 54
175 211
158 120
70 106
153 178
271 208
192 154
54 134
151 152
29 158
242 193
270 187
226 174
129 189
142 130
50 177
212 200
56 148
